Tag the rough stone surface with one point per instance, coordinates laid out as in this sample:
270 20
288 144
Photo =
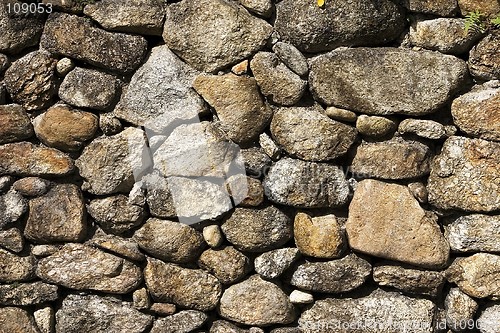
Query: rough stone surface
115 215
17 320
64 66
213 235
4 62
272 264
487 7
434 7
301 297
484 58
341 114
183 321
227 264
124 247
256 160
32 186
428 129
460 310
27 293
15 124
12 240
248 191
260 7
474 233
19 31
382 81
45 319
375 126
488 320
14 268
292 58
12 206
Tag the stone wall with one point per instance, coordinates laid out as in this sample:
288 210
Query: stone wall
234 166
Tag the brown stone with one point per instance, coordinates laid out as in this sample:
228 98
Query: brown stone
15 268
15 124
16 320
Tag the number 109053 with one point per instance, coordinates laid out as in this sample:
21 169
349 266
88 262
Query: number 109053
29 8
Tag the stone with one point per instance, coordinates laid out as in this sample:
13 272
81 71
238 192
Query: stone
248 191
141 299
227 264
486 7
12 240
81 267
78 38
341 114
64 66
301 297
260 7
58 216
15 268
189 288
213 236
158 196
257 229
386 221
397 158
306 184
381 81
13 206
124 247
308 134
419 191
164 309
473 233
15 124
238 103
478 275
477 112
318 236
17 320
183 321
292 58
19 31
463 175
428 129
433 7
240 68
334 276
45 319
109 124
409 279
460 310
382 311
44 250
272 264
132 16
256 160
4 62
222 326
32 186
313 29
269 146
256 302
109 164
31 80
66 129
375 126
446 35
276 81
89 88
78 313
5 183
484 58
25 294
169 241
115 215
488 320
3 93
27 159
210 35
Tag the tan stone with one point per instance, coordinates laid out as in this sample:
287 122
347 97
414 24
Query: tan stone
319 237
487 7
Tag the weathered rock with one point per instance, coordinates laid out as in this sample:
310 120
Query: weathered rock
477 112
17 320
213 235
306 133
292 58
276 81
19 31
428 129
240 68
477 276
12 206
375 126
141 299
258 229
82 267
256 302
12 239
4 62
335 276
164 309
256 160
64 66
158 196
15 268
188 288
102 314
222 326
45 319
27 159
227 264
169 241
5 183
213 34
484 58
238 103
341 114
109 164
115 215
434 7
181 322
474 233
306 184
463 175
32 186
31 81
58 216
272 264
42 251
301 297
460 310
419 191
124 247
246 191
27 293
382 81
386 221
488 320
260 7
15 124
486 7
109 124
319 236
89 88
269 146
351 23
381 311
133 16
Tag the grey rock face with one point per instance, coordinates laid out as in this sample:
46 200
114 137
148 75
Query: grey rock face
213 34
114 214
256 161
460 310
124 247
434 7
306 184
272 264
15 268
488 320
227 264
18 31
182 322
484 58
259 7
382 81
27 293
15 124
306 133
292 58
428 129
12 206
77 38
463 175
256 302
474 233
351 23
160 94
102 314
12 240
17 320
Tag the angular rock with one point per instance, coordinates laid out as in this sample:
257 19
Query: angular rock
32 186
269 146
115 215
460 310
31 81
484 58
419 191
141 299
45 319
78 313
5 183
213 34
434 7
188 288
488 320
306 184
14 268
159 196
335 276
12 206
123 247
76 37
306 133
474 233
341 114
248 191
272 264
351 23
19 31
260 7
276 81
81 267
241 68
375 126
227 264
428 129
393 159
183 321
486 7
12 240
386 221
17 320
15 124
382 81
238 103
292 58
24 294
463 175
256 302
258 229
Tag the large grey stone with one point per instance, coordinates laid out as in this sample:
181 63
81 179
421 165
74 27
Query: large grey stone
18 31
474 233
433 7
272 264
292 58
